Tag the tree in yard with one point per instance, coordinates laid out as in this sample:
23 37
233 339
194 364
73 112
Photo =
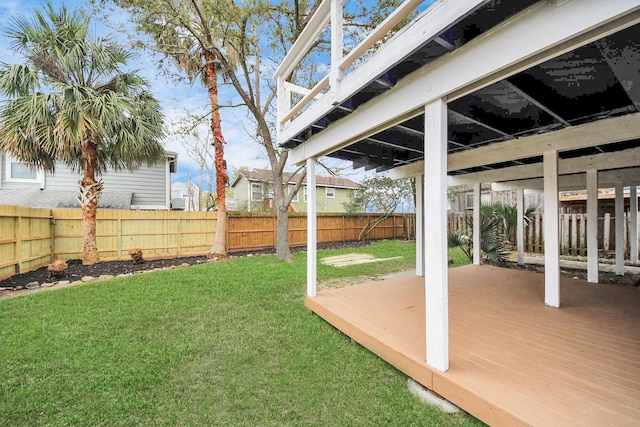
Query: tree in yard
244 42
381 194
200 38
70 102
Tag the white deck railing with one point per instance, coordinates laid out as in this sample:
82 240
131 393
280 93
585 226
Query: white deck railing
328 14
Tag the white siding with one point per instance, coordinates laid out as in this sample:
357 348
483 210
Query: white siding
148 184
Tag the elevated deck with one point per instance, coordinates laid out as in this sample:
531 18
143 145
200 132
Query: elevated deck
513 361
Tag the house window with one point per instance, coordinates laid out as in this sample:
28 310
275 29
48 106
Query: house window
485 198
256 191
305 194
18 171
330 192
296 197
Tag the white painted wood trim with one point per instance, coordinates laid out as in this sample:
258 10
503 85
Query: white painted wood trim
633 224
606 179
477 260
337 47
435 236
306 39
461 70
520 225
380 31
435 20
601 132
592 226
312 226
619 212
551 228
420 225
603 161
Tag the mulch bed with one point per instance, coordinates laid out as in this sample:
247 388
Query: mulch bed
15 285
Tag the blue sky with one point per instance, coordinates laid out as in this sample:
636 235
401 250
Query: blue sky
177 97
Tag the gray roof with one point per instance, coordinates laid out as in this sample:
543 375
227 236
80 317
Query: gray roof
36 198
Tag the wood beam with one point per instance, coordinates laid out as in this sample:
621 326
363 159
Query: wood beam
633 224
551 231
607 131
435 236
312 226
420 225
619 213
477 196
520 225
606 179
604 161
592 226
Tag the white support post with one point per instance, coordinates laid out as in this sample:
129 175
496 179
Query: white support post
337 46
633 224
435 237
551 228
312 225
520 225
619 212
592 226
420 225
476 223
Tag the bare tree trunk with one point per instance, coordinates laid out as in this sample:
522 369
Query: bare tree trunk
283 250
219 247
89 196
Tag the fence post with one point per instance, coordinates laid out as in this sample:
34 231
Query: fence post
179 237
119 242
18 248
52 234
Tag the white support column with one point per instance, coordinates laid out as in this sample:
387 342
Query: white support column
312 225
420 225
619 212
633 224
435 238
520 224
551 228
592 226
337 47
476 223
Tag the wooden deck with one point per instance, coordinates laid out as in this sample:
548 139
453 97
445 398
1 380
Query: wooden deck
513 360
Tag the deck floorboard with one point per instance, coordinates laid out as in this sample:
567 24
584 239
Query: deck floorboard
513 360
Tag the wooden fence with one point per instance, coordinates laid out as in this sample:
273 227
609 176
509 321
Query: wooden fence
573 233
31 238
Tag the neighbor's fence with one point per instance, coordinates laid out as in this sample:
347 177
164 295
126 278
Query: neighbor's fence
259 231
31 238
573 232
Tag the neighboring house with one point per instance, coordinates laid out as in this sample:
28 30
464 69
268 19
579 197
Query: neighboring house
146 188
185 196
253 191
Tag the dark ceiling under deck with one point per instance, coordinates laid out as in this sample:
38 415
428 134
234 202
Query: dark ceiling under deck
594 82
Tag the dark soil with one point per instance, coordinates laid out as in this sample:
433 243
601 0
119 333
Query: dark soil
604 277
15 285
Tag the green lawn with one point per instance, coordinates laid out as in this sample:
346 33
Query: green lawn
226 343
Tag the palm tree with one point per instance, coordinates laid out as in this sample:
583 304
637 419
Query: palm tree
70 102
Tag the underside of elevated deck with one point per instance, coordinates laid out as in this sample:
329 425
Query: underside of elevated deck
513 360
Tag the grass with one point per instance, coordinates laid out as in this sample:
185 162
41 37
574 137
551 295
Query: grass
226 343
